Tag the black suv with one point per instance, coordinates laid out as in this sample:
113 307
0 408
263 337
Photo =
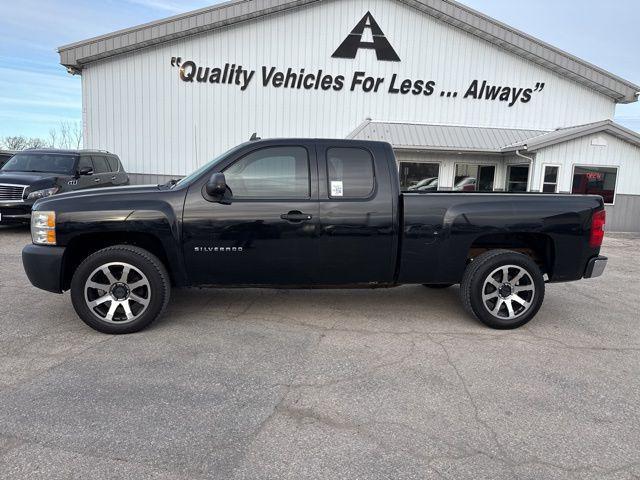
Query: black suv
33 174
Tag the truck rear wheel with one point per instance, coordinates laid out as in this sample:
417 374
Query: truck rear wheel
120 289
502 289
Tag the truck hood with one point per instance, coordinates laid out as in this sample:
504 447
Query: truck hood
28 178
125 196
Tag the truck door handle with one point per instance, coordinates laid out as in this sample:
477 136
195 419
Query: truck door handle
296 216
96 180
113 178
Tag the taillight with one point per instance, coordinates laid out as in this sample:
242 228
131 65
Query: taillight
597 229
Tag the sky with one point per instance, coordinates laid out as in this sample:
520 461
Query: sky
36 93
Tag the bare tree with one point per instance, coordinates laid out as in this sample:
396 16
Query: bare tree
53 135
67 135
36 143
65 139
17 142
77 134
70 135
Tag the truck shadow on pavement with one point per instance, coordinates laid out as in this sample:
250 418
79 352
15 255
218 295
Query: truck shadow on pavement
405 308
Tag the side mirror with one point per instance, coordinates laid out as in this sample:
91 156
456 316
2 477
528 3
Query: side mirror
86 171
216 186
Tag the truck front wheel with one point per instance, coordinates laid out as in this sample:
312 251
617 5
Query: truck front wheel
120 289
503 289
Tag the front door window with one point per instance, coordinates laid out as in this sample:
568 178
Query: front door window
275 172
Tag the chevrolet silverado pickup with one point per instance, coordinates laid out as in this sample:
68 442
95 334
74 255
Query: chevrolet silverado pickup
305 213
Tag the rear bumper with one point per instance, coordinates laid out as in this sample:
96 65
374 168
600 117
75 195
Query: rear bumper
596 267
43 266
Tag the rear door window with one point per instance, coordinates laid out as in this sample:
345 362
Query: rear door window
100 164
350 173
113 164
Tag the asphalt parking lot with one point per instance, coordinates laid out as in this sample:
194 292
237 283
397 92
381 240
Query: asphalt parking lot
388 384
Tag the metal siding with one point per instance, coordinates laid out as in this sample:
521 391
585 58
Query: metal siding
454 13
624 216
190 123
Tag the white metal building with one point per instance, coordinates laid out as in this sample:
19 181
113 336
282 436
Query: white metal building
469 103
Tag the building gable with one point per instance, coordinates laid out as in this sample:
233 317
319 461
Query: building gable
76 55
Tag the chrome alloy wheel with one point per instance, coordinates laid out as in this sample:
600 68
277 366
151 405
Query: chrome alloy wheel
508 292
117 293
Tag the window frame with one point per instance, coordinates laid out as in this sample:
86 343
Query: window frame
495 174
308 198
508 171
582 165
374 188
434 162
95 170
85 157
544 171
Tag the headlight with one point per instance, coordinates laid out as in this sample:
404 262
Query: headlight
42 193
43 228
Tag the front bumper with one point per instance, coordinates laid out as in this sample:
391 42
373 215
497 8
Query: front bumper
596 267
43 265
12 213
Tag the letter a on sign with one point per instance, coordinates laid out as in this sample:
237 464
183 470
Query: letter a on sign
353 42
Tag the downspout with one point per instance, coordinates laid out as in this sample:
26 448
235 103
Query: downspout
531 165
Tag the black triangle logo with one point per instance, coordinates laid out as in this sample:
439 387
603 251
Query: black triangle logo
349 48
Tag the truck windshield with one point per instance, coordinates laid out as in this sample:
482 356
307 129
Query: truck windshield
197 173
41 162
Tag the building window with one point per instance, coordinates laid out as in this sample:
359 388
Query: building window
595 181
474 178
419 177
517 178
272 172
550 175
350 173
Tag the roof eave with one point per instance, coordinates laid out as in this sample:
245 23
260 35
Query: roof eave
451 150
166 30
605 126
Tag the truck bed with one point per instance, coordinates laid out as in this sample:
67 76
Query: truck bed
441 229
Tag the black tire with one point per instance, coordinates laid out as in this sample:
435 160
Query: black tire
156 283
473 287
438 286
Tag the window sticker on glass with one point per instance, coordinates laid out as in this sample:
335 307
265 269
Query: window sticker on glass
336 189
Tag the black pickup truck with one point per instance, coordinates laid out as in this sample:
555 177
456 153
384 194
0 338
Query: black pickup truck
307 213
